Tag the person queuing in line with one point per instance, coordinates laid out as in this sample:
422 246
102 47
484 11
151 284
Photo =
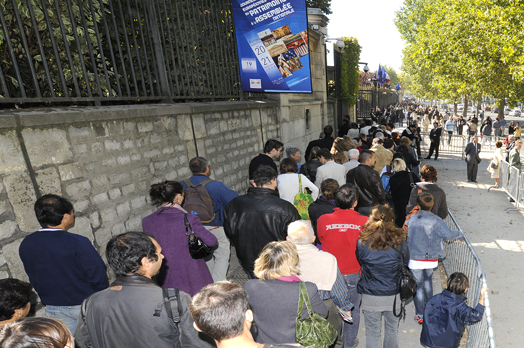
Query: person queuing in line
294 152
325 202
288 182
378 253
329 168
167 225
36 333
514 155
428 174
274 295
447 313
401 185
15 297
309 168
272 149
325 142
426 233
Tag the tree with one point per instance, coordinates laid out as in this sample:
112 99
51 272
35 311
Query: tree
323 5
349 70
393 77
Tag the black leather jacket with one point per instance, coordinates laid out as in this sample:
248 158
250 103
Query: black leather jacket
369 185
255 219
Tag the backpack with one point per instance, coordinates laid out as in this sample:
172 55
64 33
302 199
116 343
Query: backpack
171 302
385 181
197 201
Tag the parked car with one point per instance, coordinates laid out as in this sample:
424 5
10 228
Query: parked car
515 112
460 107
506 111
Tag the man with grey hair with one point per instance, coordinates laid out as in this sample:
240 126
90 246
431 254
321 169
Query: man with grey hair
320 268
294 152
353 160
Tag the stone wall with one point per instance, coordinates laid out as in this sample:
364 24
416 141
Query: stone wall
105 158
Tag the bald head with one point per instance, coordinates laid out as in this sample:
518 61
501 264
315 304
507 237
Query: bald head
300 232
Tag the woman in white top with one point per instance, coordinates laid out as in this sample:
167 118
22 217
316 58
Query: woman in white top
497 161
288 181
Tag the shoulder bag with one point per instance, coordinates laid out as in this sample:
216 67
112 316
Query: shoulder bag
197 248
407 286
302 201
314 331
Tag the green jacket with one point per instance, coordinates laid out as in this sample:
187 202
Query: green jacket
514 158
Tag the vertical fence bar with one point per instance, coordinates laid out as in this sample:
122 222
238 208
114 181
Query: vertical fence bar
26 49
189 47
198 50
55 49
111 50
128 48
101 46
12 54
3 84
233 66
184 71
40 47
160 72
212 44
221 33
133 33
165 54
172 41
144 45
90 47
79 47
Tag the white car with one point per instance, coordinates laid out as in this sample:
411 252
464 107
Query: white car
460 107
514 112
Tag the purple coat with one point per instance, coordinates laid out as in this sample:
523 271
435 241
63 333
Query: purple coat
179 269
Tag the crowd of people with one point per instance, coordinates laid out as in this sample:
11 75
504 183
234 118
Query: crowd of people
368 214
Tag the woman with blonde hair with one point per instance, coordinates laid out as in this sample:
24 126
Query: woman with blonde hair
274 296
340 149
36 332
379 254
400 185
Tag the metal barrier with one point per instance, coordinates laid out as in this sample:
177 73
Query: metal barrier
454 145
512 182
461 257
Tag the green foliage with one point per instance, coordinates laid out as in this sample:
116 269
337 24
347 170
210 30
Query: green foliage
323 5
393 77
349 70
463 47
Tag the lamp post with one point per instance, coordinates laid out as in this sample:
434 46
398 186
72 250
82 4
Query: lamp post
374 80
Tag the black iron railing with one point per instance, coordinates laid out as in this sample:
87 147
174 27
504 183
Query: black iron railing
107 51
369 99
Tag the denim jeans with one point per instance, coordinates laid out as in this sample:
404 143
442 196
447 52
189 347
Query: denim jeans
68 314
350 331
424 289
219 262
373 321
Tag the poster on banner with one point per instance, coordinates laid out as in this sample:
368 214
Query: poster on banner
273 45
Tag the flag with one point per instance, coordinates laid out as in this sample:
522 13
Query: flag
398 87
379 74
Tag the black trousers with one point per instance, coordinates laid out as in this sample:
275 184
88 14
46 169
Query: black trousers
434 147
473 167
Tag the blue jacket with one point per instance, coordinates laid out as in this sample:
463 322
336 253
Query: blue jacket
426 232
450 126
380 269
64 268
220 194
444 319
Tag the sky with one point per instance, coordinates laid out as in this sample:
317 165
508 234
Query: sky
371 22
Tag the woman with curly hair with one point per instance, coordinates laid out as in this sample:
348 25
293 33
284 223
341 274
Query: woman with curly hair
379 254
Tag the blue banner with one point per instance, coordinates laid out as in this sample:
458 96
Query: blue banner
273 45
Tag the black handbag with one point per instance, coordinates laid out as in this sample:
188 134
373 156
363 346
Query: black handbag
407 285
197 248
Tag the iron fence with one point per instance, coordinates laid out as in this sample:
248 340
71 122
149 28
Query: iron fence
108 50
449 144
369 99
461 257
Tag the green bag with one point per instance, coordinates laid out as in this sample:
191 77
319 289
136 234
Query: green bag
315 331
302 201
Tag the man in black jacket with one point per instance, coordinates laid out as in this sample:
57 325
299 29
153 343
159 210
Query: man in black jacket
257 218
434 137
325 143
132 313
368 182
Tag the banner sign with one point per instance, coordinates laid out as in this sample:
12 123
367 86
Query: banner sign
273 45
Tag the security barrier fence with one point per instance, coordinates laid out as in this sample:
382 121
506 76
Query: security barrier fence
116 51
461 257
512 182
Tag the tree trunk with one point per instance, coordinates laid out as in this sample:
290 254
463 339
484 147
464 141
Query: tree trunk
501 109
454 106
465 110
